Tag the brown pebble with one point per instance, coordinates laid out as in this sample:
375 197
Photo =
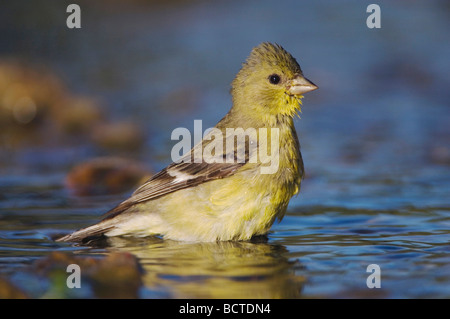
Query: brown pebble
106 175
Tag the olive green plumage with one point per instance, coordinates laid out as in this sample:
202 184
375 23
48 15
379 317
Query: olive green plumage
210 201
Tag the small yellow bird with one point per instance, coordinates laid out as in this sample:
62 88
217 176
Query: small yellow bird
225 196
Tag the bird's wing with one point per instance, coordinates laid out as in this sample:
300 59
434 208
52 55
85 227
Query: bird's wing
219 159
175 177
182 175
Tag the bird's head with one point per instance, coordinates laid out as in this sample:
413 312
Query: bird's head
270 82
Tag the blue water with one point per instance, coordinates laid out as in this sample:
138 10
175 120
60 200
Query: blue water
375 141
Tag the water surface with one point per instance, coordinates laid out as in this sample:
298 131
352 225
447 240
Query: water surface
375 142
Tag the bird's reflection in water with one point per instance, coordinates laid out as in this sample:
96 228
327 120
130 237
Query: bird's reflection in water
252 269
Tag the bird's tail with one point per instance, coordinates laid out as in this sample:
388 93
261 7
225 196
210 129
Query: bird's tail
88 232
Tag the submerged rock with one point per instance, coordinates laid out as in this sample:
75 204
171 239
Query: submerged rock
106 175
37 108
118 275
10 291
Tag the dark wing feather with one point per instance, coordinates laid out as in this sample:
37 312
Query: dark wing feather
174 177
168 181
187 174
163 183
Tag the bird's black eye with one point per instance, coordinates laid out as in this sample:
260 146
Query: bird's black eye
274 79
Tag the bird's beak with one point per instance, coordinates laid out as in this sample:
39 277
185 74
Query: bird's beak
300 85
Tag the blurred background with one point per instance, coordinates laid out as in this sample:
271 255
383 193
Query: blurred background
86 115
